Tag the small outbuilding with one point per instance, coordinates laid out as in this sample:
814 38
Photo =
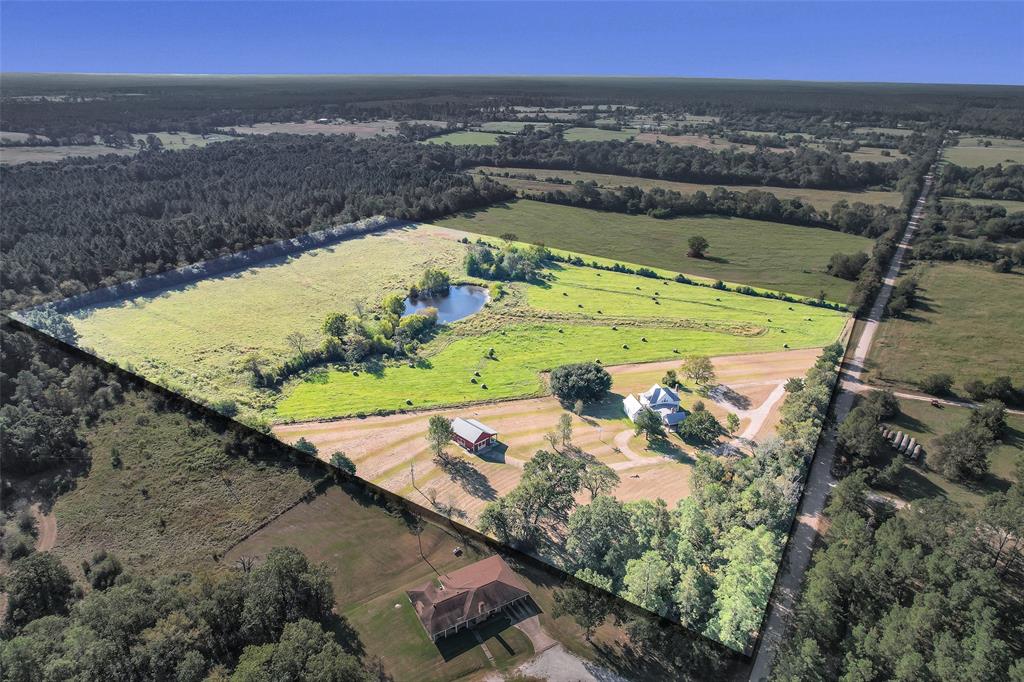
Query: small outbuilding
460 599
472 435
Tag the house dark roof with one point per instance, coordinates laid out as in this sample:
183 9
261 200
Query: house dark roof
471 429
465 594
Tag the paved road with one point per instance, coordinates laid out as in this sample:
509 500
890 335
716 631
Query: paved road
820 480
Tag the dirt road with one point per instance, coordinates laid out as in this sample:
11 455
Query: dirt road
820 480
47 527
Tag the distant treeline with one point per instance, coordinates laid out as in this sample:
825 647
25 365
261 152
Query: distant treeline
799 168
61 106
858 218
84 223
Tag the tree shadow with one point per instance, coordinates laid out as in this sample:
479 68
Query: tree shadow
346 635
725 394
494 454
472 481
666 448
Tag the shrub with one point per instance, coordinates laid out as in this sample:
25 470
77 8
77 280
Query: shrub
937 384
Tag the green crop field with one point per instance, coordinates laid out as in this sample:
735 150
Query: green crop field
926 423
1010 206
967 313
822 199
770 255
970 154
192 339
598 134
465 137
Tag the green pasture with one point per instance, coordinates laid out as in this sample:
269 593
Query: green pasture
971 154
465 137
759 253
193 338
522 352
605 294
821 199
598 134
968 324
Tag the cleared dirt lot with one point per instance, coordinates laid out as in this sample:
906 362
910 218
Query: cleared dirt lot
392 451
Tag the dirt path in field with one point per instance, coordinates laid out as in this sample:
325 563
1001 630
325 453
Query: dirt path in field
47 529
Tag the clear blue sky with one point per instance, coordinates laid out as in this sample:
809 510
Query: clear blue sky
952 42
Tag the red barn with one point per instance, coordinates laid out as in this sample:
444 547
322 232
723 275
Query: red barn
472 435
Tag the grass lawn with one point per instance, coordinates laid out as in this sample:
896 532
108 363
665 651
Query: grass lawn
192 338
759 253
175 500
465 137
822 199
1010 206
598 134
968 324
927 423
971 154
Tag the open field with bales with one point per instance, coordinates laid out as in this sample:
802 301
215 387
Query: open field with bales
973 150
821 199
770 255
966 309
926 423
194 339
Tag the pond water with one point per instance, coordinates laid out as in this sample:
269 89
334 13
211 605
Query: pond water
461 301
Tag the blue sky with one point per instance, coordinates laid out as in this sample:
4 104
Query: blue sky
951 42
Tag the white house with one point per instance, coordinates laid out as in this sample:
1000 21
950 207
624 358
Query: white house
661 400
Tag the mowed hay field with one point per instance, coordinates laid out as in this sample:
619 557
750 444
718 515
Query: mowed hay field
193 338
361 129
821 199
582 315
926 423
170 141
389 450
971 154
759 253
968 324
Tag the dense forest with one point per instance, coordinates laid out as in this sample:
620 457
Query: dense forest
270 622
803 167
992 182
923 594
72 226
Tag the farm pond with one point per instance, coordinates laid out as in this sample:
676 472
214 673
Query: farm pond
461 301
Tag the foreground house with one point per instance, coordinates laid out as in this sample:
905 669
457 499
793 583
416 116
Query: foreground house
472 435
661 400
463 598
